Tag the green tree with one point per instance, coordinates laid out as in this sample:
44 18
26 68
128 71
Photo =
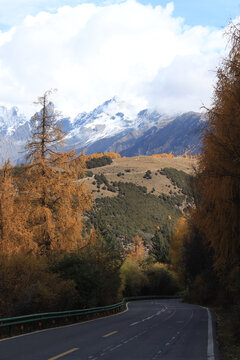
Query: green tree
160 246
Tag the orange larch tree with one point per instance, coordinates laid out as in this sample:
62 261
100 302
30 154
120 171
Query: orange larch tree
56 197
219 166
14 233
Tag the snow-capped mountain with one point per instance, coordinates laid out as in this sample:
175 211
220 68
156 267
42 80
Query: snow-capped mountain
10 120
113 126
112 118
14 131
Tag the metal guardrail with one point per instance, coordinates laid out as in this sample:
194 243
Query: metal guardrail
28 323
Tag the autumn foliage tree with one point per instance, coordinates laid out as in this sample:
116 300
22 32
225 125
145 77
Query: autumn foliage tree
56 199
219 167
211 246
14 233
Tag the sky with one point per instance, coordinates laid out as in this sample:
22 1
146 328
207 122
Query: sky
158 54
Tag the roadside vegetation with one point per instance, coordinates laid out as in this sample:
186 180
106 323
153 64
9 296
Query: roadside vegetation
205 247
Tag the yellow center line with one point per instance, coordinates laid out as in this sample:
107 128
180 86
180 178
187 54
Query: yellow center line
111 333
135 323
63 354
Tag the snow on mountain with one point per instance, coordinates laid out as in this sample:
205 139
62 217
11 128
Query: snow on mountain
10 120
111 118
113 126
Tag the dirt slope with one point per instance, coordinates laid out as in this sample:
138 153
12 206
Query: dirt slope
133 169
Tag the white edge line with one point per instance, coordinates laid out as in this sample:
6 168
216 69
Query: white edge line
60 327
210 346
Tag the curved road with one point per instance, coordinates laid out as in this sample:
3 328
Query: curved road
153 329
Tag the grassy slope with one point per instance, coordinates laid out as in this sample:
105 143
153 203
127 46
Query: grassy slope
138 166
132 210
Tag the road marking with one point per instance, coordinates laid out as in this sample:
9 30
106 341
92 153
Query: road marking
110 334
210 348
63 354
172 314
135 323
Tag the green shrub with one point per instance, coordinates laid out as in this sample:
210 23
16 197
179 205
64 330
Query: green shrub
145 278
133 212
148 175
133 278
160 281
179 178
101 179
98 162
89 173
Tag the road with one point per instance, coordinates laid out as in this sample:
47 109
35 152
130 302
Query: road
153 329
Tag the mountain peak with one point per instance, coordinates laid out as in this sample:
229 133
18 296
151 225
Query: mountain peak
10 119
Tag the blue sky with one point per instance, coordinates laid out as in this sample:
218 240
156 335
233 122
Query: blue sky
158 54
204 12
195 12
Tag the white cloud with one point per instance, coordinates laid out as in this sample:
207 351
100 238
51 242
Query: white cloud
91 53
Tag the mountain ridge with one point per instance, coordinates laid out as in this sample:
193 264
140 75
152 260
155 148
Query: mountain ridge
112 126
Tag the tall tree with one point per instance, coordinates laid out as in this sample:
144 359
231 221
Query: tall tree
219 170
57 198
160 246
47 134
14 233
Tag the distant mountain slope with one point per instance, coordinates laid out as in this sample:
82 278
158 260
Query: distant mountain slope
178 136
131 203
113 126
14 130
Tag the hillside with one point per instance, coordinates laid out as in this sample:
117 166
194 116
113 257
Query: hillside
135 196
133 169
180 135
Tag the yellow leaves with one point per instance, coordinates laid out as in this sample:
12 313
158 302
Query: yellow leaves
112 155
186 155
132 276
163 155
14 235
176 246
42 212
137 249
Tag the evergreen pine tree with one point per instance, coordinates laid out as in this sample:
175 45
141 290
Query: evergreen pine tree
160 247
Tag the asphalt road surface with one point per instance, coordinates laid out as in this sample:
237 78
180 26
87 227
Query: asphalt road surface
153 329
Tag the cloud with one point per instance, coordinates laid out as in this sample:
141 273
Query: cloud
142 54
